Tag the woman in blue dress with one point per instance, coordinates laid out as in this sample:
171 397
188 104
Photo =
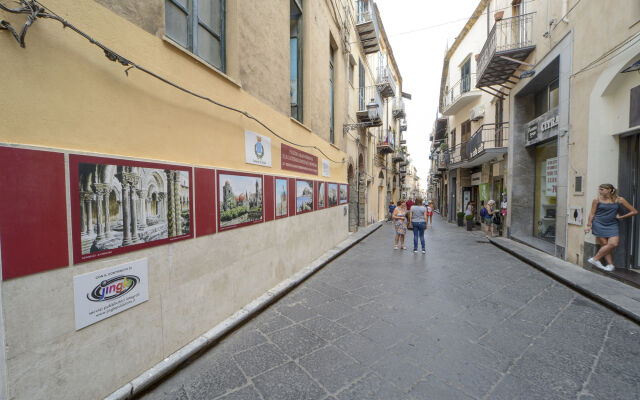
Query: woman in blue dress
603 223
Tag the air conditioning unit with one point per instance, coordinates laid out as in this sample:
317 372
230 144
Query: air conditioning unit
477 113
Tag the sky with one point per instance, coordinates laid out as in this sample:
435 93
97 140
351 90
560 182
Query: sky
419 32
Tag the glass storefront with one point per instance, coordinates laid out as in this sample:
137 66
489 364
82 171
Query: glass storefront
546 190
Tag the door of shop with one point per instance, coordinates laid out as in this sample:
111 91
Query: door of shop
628 254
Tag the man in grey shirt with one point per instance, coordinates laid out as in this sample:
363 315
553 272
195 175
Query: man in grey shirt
418 218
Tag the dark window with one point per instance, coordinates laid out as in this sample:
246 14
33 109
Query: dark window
295 58
547 98
361 101
465 74
331 103
198 26
634 107
453 138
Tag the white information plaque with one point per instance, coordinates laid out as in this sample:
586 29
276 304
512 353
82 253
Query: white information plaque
101 294
257 149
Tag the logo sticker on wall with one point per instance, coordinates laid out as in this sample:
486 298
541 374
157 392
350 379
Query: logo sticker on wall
257 149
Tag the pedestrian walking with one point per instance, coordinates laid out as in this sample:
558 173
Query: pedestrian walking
430 213
392 207
487 217
410 203
603 223
400 220
503 205
418 217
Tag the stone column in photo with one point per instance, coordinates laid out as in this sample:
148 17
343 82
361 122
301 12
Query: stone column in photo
134 180
101 190
88 198
176 193
107 216
83 214
171 207
161 206
126 219
142 198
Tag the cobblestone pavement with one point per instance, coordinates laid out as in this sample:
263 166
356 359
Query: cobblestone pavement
464 321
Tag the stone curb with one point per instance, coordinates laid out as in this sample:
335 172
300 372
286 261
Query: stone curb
155 373
611 301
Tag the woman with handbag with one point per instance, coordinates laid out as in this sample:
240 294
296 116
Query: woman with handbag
487 213
400 221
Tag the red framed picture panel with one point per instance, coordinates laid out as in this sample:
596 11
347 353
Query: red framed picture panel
285 211
340 191
204 180
292 196
302 202
240 186
33 212
333 185
269 199
118 186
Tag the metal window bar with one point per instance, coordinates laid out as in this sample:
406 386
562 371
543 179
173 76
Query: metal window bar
366 95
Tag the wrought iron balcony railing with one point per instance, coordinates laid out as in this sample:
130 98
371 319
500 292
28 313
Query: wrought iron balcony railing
458 89
399 108
486 137
367 26
369 100
386 85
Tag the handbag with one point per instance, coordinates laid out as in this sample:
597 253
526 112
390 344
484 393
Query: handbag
409 225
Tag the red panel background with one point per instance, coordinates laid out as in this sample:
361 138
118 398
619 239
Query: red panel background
33 217
268 199
292 196
205 198
315 195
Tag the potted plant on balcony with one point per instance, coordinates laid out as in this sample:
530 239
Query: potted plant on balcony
460 216
469 219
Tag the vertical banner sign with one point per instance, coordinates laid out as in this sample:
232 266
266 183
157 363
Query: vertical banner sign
101 294
257 149
552 177
483 193
326 168
293 159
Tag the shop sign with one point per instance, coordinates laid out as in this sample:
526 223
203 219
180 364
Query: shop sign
552 177
476 178
257 149
326 168
532 132
293 159
110 291
549 123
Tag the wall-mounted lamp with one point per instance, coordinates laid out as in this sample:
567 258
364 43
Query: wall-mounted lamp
528 74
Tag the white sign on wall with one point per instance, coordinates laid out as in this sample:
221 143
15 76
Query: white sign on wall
101 294
257 149
476 179
552 177
326 168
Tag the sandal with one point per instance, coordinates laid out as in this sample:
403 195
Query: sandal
404 248
395 247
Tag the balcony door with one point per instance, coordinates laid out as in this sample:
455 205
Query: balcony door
499 123
465 130
465 77
361 105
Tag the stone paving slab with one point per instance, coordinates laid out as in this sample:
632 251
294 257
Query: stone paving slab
618 296
464 321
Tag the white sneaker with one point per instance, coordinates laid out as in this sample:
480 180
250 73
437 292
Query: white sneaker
596 263
609 267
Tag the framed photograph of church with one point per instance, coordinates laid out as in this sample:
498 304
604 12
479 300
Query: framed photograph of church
332 194
322 189
124 205
304 196
282 197
239 199
343 194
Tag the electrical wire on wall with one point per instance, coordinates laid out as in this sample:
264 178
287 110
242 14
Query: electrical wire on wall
35 10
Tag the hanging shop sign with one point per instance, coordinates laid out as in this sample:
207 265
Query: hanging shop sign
476 178
551 177
100 294
293 159
326 168
257 149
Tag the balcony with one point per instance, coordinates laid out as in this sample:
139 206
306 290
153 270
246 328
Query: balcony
441 129
403 126
369 100
459 95
509 42
367 27
386 85
398 108
443 161
488 142
386 144
399 156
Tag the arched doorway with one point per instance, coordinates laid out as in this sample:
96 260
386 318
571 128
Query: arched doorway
353 210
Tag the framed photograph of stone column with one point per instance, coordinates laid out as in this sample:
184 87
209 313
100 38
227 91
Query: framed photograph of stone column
281 194
344 194
124 205
332 194
304 196
322 195
240 196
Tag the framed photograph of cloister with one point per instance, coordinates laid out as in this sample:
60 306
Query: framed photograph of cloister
332 194
343 194
239 199
281 197
123 205
322 194
304 196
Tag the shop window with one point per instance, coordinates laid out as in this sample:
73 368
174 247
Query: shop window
546 189
198 26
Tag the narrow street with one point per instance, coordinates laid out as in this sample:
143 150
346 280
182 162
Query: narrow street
464 321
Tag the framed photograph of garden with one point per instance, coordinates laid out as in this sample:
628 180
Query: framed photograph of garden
343 194
332 194
282 197
304 196
124 205
321 194
239 199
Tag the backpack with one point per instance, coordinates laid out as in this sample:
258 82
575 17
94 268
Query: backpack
483 212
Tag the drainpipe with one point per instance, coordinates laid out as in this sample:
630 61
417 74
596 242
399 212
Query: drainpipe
564 11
